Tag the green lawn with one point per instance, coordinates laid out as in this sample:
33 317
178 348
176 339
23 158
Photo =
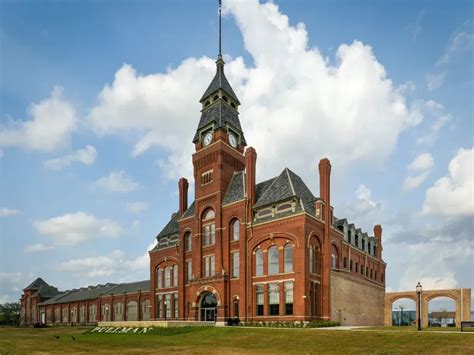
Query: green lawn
233 340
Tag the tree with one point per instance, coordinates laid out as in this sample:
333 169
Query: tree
10 313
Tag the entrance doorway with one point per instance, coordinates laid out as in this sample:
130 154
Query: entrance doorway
209 308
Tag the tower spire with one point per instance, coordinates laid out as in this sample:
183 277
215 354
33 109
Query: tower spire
220 29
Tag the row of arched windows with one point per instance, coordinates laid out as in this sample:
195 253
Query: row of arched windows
273 260
209 231
167 277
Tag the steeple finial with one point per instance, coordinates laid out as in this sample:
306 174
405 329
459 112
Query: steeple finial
220 26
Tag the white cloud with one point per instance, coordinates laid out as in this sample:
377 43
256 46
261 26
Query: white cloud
37 248
291 94
86 155
53 121
458 43
75 228
453 195
417 27
117 181
137 207
115 263
438 119
11 284
435 81
363 208
8 212
421 165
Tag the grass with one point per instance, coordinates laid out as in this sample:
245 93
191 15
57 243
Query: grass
232 340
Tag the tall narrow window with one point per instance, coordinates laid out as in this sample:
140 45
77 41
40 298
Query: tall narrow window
349 236
209 266
175 305
236 230
188 242
273 299
363 244
311 259
273 260
259 262
357 267
235 264
175 276
168 305
159 302
189 271
350 265
344 263
159 278
209 228
357 240
288 288
334 261
288 258
259 299
167 277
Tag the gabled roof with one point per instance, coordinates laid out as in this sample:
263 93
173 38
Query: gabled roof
170 228
285 186
220 82
81 294
221 115
236 189
35 285
130 287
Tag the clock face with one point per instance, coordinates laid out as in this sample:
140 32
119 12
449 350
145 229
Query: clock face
232 140
207 139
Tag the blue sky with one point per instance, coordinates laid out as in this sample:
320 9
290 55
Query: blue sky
110 91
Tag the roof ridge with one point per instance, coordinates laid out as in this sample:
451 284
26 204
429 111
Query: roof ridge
291 182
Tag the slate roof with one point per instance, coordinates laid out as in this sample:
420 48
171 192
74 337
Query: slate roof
236 189
42 289
190 211
81 294
35 285
130 287
170 228
283 187
221 115
220 82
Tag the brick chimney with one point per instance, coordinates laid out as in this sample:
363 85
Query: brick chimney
183 195
378 238
325 195
250 166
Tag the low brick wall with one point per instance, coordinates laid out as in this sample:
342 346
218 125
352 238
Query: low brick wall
356 301
153 323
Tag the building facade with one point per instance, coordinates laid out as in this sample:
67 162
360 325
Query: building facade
242 250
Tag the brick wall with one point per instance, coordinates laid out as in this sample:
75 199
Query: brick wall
356 301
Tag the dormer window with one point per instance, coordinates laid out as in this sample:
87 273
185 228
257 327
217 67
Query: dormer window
232 104
264 213
215 97
207 103
225 98
284 207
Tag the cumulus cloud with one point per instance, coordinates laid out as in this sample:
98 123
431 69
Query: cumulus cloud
437 119
37 248
52 122
422 166
363 203
86 156
78 227
115 263
137 207
117 181
11 284
8 212
453 195
348 110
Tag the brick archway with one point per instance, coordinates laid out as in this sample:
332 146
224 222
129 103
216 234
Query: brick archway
461 297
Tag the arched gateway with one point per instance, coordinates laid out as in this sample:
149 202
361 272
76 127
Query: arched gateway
208 307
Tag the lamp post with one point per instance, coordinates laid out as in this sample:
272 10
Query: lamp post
418 293
400 320
107 313
165 310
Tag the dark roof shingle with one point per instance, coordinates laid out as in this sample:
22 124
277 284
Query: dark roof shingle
236 190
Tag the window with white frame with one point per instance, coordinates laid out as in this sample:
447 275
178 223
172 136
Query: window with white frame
209 266
159 278
235 230
288 258
311 259
288 289
259 299
167 276
235 264
259 262
175 276
273 260
273 299
209 234
188 242
189 271
168 305
175 305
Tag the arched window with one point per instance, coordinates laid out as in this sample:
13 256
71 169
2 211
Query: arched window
311 260
259 262
167 277
288 258
188 242
334 257
209 228
159 278
175 276
273 260
235 230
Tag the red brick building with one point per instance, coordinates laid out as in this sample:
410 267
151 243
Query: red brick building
241 250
